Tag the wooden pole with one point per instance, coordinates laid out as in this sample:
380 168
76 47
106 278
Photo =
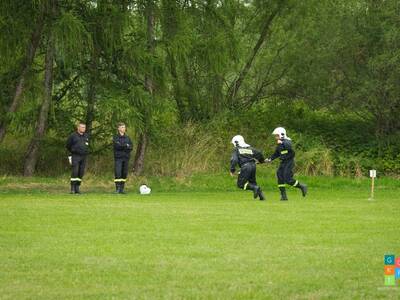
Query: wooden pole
372 188
372 174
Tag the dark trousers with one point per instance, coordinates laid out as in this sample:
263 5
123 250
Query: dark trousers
121 168
78 168
247 177
285 174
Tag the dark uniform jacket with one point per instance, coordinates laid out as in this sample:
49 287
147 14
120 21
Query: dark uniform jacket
122 146
284 151
244 155
78 144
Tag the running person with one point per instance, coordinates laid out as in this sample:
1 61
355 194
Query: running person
246 157
285 152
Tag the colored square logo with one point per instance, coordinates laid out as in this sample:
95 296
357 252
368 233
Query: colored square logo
397 262
389 270
389 280
397 273
389 259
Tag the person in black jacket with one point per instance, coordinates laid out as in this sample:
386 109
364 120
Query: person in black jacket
285 152
246 157
122 152
78 147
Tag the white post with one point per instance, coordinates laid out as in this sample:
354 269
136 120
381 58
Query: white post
372 174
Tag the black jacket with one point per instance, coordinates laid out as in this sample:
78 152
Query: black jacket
284 151
122 146
78 144
244 155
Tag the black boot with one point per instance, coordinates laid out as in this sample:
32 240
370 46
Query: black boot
117 187
261 194
303 189
77 188
254 188
121 188
72 187
283 194
257 192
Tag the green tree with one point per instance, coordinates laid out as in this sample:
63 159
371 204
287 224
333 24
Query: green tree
12 15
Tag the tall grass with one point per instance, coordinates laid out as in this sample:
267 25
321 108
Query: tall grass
316 161
192 150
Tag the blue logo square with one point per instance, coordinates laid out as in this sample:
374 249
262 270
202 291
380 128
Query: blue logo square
397 273
389 259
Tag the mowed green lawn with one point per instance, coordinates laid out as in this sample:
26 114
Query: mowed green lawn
219 245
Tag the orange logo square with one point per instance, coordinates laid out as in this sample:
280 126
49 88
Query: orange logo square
389 270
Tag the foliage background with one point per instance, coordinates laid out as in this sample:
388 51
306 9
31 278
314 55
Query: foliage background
188 75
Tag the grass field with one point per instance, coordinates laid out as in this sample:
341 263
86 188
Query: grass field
197 244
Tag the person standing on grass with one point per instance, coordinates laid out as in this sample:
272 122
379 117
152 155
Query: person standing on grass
122 151
78 147
286 154
246 157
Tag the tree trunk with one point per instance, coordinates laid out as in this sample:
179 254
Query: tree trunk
26 65
140 153
217 95
138 164
177 86
194 111
235 86
32 153
90 109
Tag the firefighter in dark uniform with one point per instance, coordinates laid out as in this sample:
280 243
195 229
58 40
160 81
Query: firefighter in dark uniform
246 157
122 151
285 152
78 147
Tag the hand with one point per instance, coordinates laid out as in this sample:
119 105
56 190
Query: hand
280 142
268 160
70 160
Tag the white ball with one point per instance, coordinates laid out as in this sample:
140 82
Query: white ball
144 190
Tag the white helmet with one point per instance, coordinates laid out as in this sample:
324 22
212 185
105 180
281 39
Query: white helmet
144 190
239 140
281 132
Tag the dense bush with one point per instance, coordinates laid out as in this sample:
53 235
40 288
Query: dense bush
325 145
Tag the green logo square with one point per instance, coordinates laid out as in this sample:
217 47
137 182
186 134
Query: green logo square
390 280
